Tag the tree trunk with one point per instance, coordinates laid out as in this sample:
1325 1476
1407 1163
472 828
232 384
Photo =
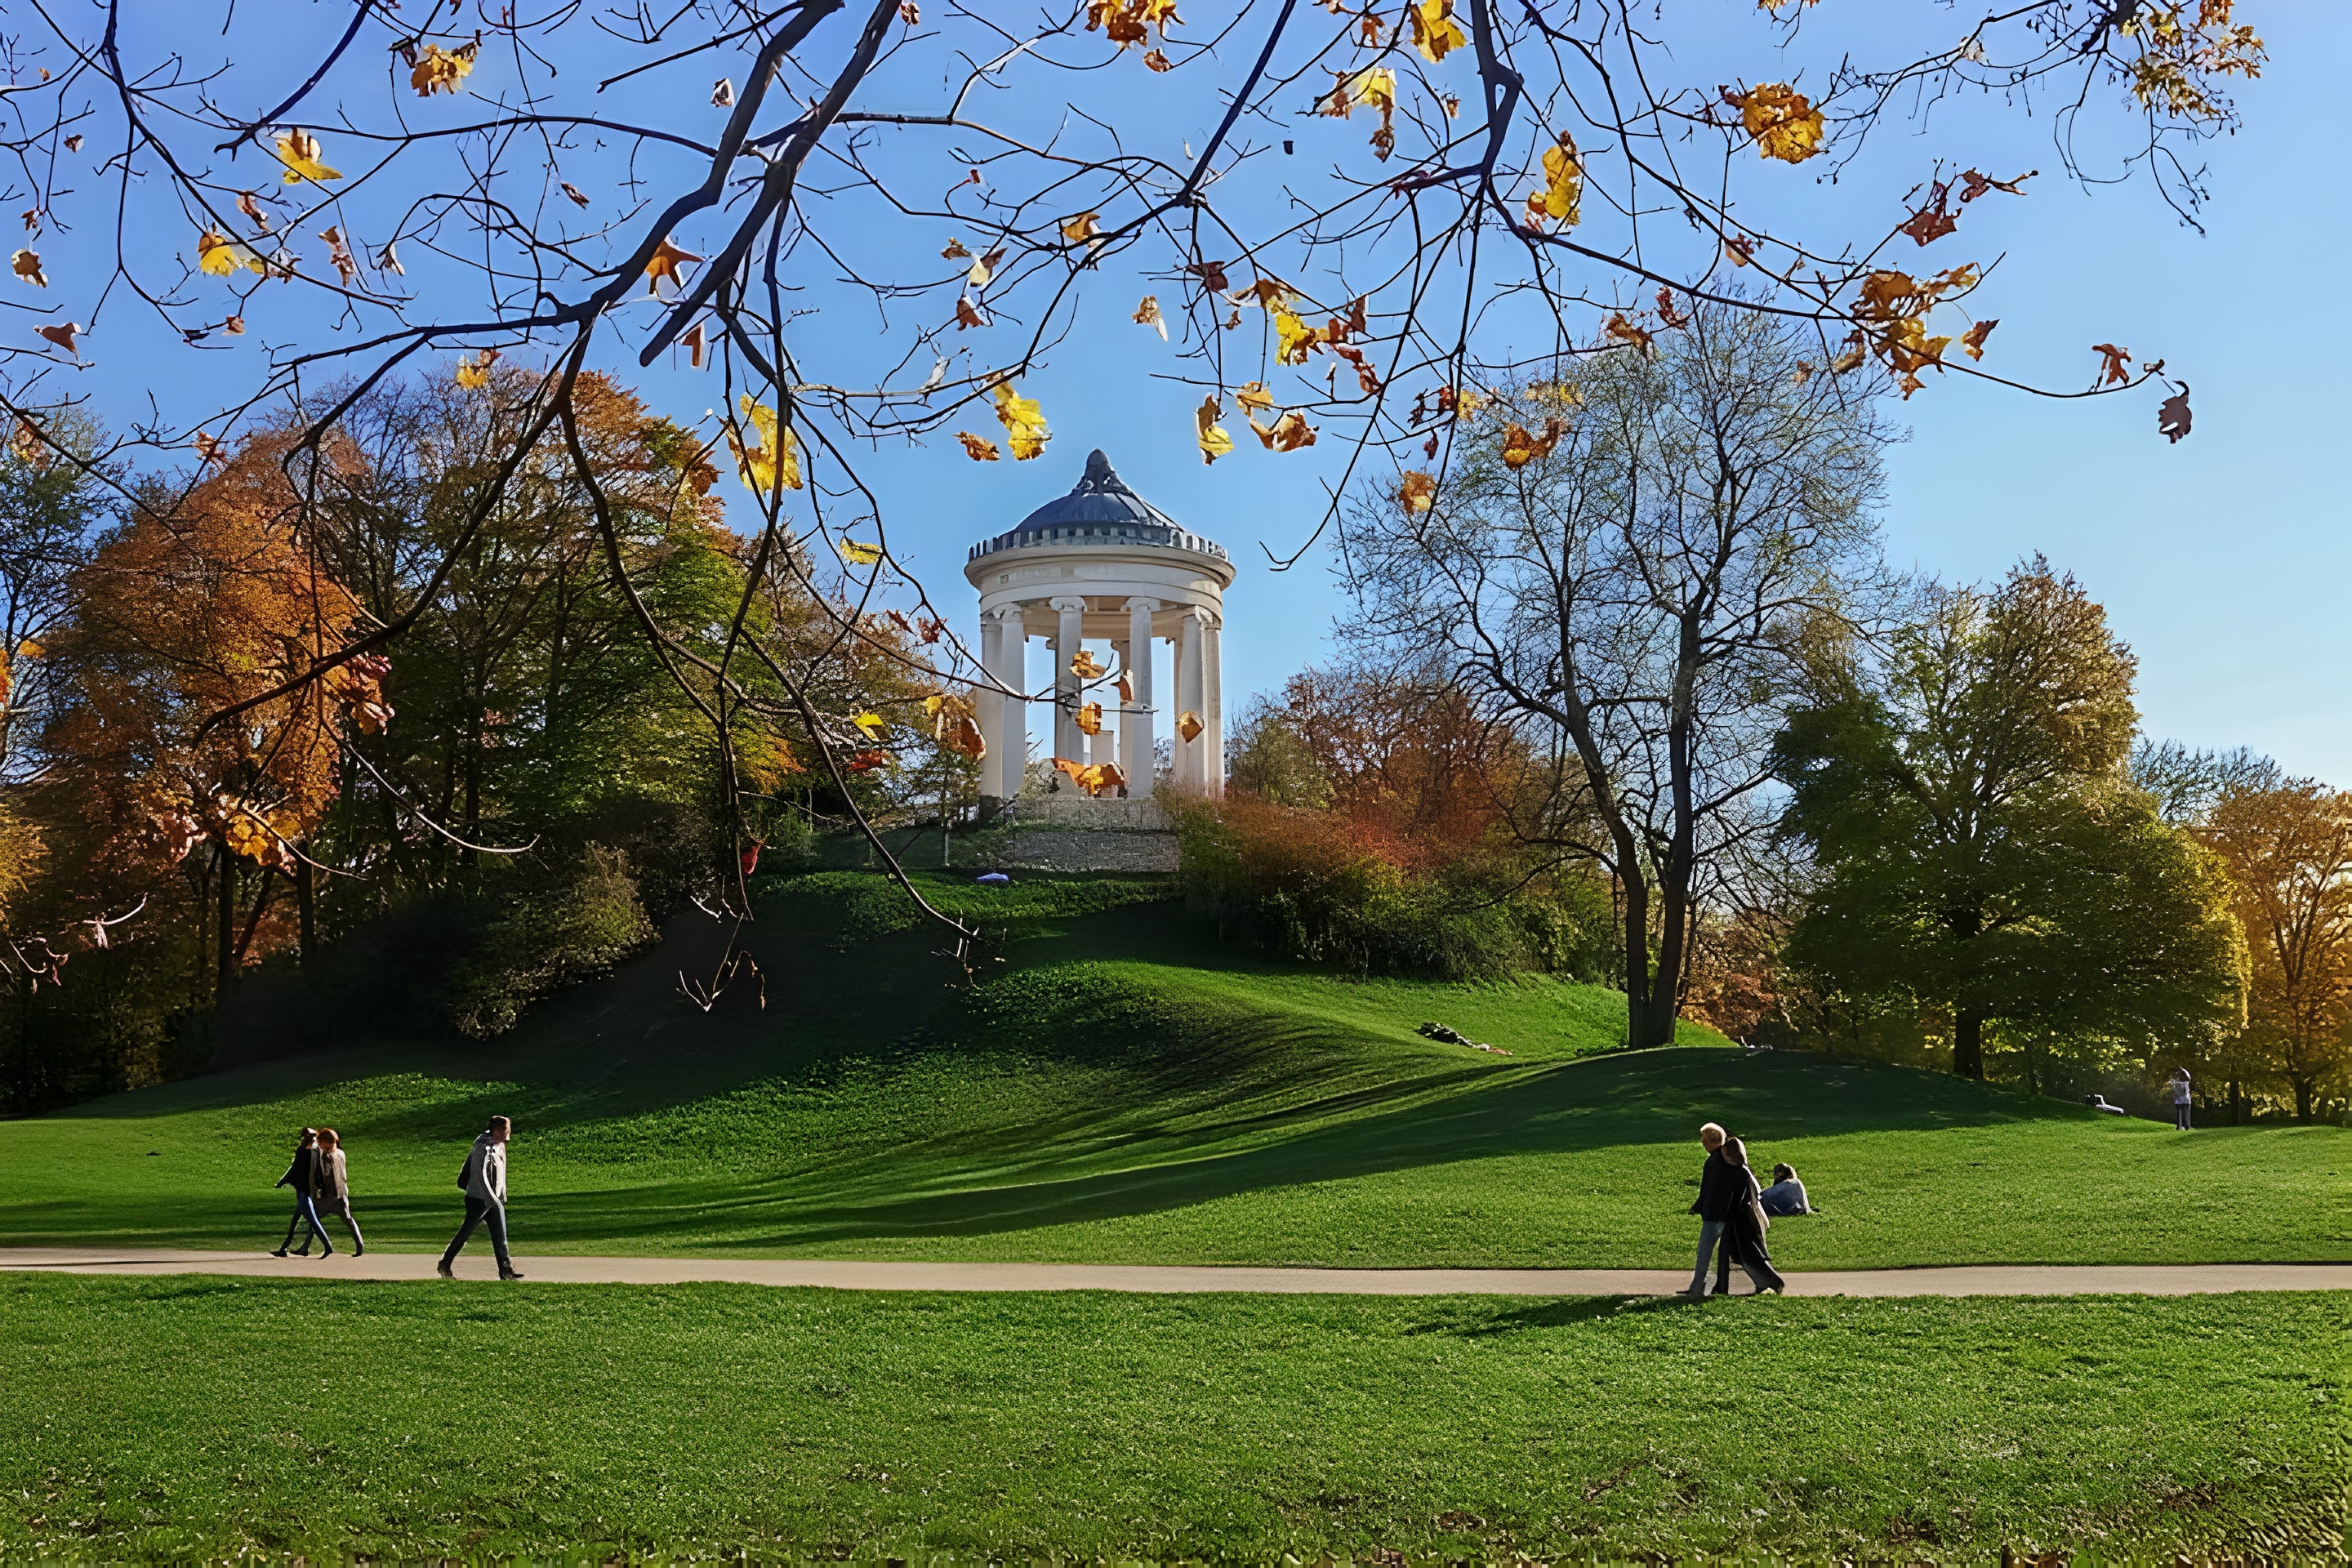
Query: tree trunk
304 909
2303 1099
2236 1104
1967 1042
224 920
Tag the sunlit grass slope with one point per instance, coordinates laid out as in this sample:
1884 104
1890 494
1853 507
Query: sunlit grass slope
1127 1087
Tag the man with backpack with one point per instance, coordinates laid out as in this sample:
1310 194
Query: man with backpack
484 1181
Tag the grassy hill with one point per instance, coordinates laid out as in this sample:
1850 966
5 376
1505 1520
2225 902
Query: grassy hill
1128 1088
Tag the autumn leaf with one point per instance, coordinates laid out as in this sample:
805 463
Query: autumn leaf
2116 363
979 449
1189 725
579 198
697 344
27 447
1521 447
1374 87
1089 718
473 374
1154 60
1563 187
443 70
1215 442
1932 221
208 448
1126 688
1085 666
866 761
1024 422
1287 434
1857 350
73 143
967 314
1417 493
1973 341
234 325
1624 332
1435 33
2172 420
1212 275
220 256
909 12
1973 185
63 336
955 251
775 462
860 553
722 94
1253 395
665 263
874 725
1081 228
1295 337
1668 312
984 268
27 266
339 253
298 151
1147 314
1738 249
1782 121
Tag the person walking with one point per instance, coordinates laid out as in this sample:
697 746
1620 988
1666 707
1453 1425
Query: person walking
302 1175
1744 1232
1714 1210
484 1181
331 1197
2180 1098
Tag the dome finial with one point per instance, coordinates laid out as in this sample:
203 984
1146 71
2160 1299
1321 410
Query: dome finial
1099 475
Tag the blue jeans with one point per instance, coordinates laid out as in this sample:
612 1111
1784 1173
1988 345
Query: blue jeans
478 1210
305 1210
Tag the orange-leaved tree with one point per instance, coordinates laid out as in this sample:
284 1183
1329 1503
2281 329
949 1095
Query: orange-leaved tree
2289 853
192 606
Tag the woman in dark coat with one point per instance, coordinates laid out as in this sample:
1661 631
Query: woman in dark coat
302 1175
332 1194
1744 1241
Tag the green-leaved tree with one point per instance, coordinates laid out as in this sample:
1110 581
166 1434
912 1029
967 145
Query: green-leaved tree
1982 852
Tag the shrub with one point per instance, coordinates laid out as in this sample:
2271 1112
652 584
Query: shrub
578 927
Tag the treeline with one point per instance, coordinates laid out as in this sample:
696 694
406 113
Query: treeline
202 855
1639 698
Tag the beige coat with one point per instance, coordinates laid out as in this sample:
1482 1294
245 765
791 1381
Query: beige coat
332 1189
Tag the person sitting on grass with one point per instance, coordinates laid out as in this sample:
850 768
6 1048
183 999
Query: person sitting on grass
1786 1195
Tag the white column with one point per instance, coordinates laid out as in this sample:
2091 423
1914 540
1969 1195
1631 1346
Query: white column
1212 707
1189 773
1068 741
988 704
1134 723
1009 747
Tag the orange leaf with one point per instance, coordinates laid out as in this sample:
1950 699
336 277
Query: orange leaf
2115 364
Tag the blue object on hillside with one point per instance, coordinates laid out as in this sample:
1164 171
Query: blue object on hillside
993 879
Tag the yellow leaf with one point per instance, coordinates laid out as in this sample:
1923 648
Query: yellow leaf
298 151
28 648
979 449
1417 493
1085 666
1024 422
1287 434
860 553
775 462
220 256
1215 442
27 447
1090 719
1295 338
1374 87
28 267
664 264
1563 187
874 725
442 70
473 374
1435 33
1783 120
1080 228
1254 395
1147 314
1189 725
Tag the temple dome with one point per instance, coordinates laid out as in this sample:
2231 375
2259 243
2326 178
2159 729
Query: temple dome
1099 510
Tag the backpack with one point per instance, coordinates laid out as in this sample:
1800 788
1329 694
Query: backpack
466 1172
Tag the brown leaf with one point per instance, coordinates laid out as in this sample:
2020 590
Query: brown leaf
63 336
2116 363
1212 275
955 251
1154 60
27 266
235 325
579 198
909 12
966 316
1973 340
666 258
1932 221
979 449
2172 419
250 206
1973 185
1417 493
1667 312
1738 249
1625 332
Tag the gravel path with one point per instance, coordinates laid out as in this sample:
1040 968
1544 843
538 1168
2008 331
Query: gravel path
1974 1279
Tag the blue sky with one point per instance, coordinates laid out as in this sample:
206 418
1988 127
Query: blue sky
2220 558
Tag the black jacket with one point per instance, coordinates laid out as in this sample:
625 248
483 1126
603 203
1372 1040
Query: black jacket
302 1175
1718 1185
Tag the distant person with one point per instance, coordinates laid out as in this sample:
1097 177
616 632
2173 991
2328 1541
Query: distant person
1744 1235
484 1181
1786 1195
2180 1098
302 1175
1714 1210
331 1197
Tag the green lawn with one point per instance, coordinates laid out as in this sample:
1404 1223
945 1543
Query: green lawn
1127 1088
207 1418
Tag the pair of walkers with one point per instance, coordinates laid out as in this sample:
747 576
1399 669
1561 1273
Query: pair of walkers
1732 1221
322 1190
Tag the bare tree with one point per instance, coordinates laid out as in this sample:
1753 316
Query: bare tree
1637 580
